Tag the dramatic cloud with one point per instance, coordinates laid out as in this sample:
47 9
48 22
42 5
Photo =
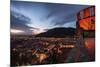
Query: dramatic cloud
61 20
35 17
19 22
63 13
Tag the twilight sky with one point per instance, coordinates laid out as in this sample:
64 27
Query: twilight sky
36 17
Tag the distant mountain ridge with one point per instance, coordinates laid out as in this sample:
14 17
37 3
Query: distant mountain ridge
58 32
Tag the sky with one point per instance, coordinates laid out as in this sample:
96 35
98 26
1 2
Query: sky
37 17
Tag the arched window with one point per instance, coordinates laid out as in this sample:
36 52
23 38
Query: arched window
87 12
81 15
92 13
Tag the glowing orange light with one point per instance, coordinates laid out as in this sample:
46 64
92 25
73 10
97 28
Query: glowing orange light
90 45
88 23
42 56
